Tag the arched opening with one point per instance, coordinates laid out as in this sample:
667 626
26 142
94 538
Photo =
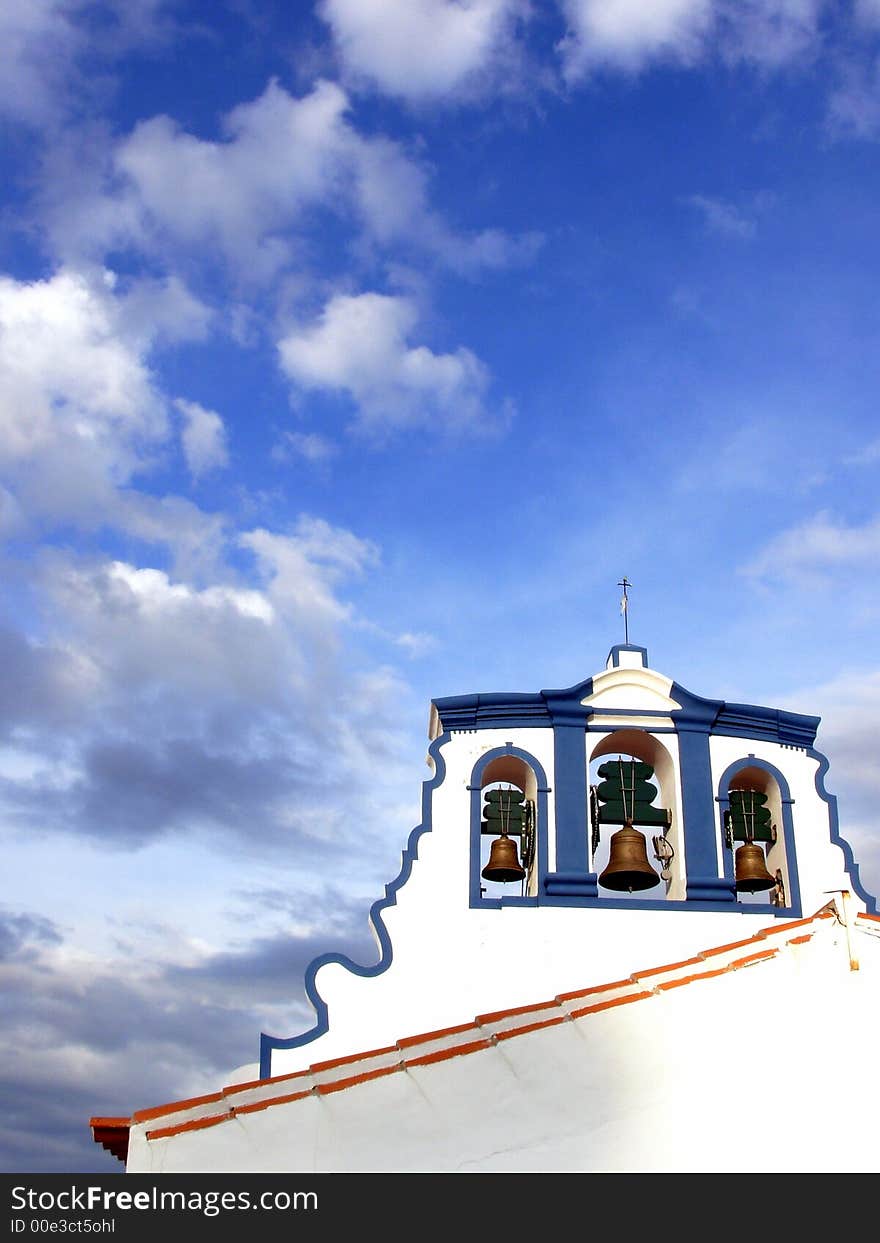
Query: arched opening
634 835
752 822
508 828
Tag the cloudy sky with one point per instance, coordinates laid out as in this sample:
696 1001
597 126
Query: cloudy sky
351 352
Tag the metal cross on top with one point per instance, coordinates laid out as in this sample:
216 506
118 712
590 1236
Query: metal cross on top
624 607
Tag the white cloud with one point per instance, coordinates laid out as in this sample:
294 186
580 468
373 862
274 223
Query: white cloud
39 40
46 42
867 455
140 629
81 413
279 156
251 193
157 705
810 551
86 208
771 33
82 416
196 540
359 346
849 708
415 644
628 33
152 593
854 104
309 445
301 569
392 201
163 310
722 217
203 437
81 1033
420 49
72 375
334 547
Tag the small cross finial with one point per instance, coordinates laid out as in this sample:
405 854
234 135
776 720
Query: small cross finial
624 607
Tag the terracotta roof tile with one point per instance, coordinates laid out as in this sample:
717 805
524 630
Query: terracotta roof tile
112 1134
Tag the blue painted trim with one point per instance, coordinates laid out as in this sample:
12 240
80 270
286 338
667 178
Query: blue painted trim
613 658
565 707
572 884
515 708
476 791
570 789
410 854
696 720
558 707
695 713
749 721
570 778
831 799
698 818
744 720
710 890
793 890
641 904
492 711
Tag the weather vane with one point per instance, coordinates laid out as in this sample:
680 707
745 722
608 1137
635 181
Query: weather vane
624 607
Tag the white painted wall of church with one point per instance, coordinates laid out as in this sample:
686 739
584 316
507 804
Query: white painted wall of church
762 1069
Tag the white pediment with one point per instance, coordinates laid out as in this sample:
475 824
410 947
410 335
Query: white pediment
631 690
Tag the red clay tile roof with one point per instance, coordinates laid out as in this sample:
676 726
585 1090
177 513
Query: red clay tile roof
112 1134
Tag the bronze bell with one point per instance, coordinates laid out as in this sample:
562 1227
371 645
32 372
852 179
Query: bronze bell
628 867
504 861
751 870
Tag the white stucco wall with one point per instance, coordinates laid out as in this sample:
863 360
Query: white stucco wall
768 1068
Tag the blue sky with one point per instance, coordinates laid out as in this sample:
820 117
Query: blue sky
350 355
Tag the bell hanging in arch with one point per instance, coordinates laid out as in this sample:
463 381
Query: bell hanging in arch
503 864
628 868
751 869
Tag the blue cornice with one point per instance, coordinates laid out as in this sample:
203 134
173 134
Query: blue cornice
514 708
735 720
695 712
775 724
547 708
491 711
